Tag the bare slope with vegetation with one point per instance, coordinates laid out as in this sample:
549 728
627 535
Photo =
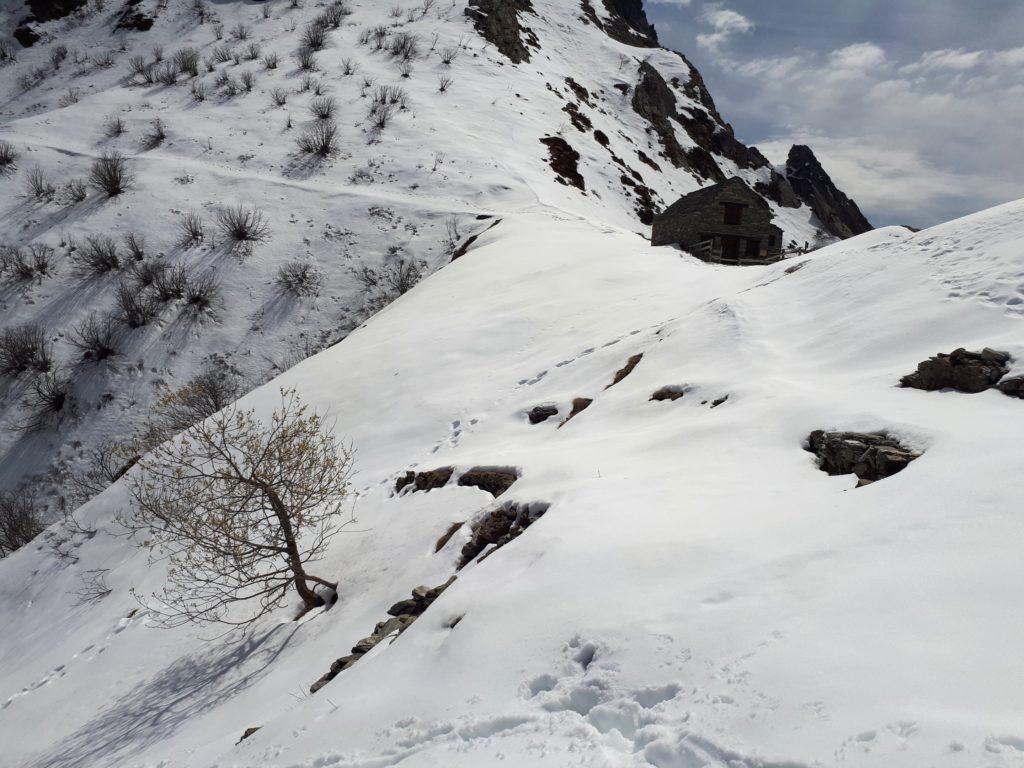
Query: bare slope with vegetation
230 187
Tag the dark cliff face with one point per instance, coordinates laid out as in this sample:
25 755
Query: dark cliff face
838 214
498 22
632 12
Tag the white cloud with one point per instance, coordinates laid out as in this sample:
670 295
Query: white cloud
725 23
677 3
911 142
957 60
859 57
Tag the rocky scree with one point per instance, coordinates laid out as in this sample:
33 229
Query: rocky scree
402 615
498 527
964 371
870 456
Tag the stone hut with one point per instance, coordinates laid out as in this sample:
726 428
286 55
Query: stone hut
727 223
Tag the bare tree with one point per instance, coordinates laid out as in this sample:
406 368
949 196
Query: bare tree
240 508
19 520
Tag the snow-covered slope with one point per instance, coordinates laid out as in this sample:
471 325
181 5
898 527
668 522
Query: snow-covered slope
469 151
698 592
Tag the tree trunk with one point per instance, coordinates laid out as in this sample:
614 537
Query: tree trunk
309 597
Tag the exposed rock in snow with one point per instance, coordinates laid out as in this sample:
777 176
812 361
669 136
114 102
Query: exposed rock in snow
1013 387
838 213
579 404
499 23
564 161
424 481
498 527
961 370
669 392
627 369
493 480
869 456
402 613
541 413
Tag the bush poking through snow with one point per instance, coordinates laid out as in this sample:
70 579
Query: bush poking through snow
8 157
323 108
380 116
135 244
239 533
270 61
170 284
279 96
404 46
240 224
146 273
300 278
136 308
113 127
20 520
320 139
24 348
111 175
27 264
314 37
392 280
38 187
167 74
306 59
98 255
202 396
203 295
49 399
97 338
155 136
192 229
187 61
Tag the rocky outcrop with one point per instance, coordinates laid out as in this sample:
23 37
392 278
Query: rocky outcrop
498 527
961 370
671 392
1012 387
579 405
869 456
626 21
424 481
564 161
632 12
499 23
402 615
654 101
494 480
132 18
838 214
779 190
247 733
625 370
541 413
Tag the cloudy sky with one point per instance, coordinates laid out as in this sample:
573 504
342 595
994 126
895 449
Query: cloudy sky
916 107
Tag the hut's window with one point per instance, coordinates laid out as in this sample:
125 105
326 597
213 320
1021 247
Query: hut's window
733 213
771 241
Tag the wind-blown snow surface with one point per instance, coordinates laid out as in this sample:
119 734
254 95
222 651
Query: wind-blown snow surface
698 592
469 151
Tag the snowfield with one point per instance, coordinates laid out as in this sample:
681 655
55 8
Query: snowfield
471 151
698 592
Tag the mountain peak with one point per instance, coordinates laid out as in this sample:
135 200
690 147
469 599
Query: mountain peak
838 214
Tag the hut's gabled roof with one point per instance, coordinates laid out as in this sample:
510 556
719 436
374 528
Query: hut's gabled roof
698 201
